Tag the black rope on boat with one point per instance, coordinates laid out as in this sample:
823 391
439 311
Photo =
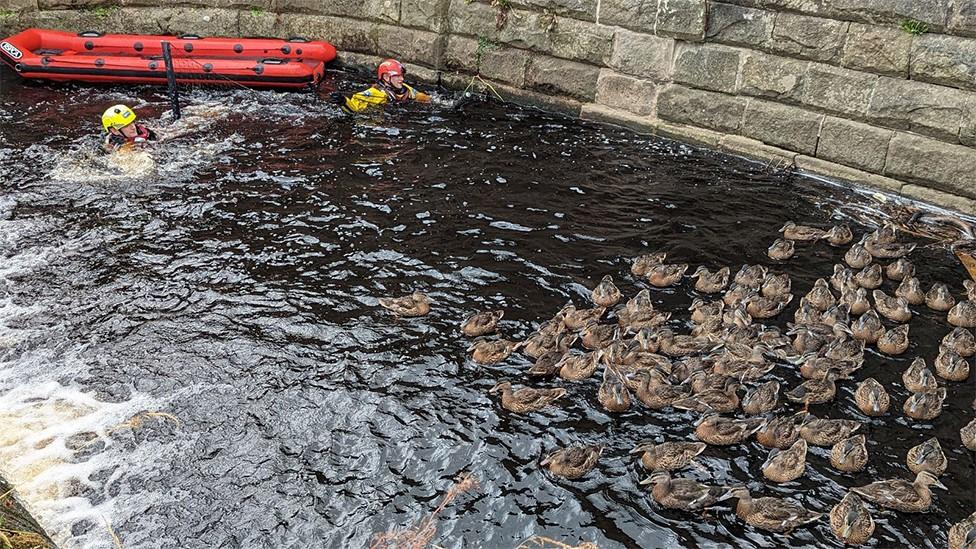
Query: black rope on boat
174 95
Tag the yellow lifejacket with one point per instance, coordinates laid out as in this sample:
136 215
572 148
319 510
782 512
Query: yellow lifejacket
375 96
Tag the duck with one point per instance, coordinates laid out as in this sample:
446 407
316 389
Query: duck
413 305
963 314
951 366
541 342
961 341
885 234
709 282
869 277
751 276
856 299
820 295
668 456
482 323
851 521
705 380
792 231
815 391
595 336
918 378
664 275
786 465
776 285
806 314
781 250
576 319
838 314
939 298
911 291
717 400
901 495
894 309
643 263
845 349
526 399
766 307
927 456
968 435
962 535
761 399
634 322
655 392
717 430
872 398
689 366
839 235
492 351
736 294
573 462
772 514
684 494
850 454
900 269
868 328
613 393
926 405
680 345
970 287
780 431
827 432
640 302
701 310
579 366
643 360
606 294
888 250
547 365
842 277
857 257
895 341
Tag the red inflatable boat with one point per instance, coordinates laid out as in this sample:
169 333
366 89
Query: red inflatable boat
138 59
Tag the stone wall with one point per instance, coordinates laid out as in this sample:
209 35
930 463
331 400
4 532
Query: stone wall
836 87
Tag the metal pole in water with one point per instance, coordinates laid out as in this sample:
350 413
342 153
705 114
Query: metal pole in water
174 96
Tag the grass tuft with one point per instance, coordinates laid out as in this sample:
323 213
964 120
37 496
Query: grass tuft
914 27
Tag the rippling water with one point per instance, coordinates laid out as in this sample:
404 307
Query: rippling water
230 288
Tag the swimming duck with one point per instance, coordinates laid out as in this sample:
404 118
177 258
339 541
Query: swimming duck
547 365
482 323
850 454
888 250
885 234
668 456
643 263
901 495
869 277
781 250
857 257
606 294
815 391
715 400
766 307
684 493
701 310
786 465
968 435
893 308
526 399
635 321
839 235
792 231
595 336
542 342
761 399
951 366
939 298
927 456
716 430
492 352
911 291
816 367
895 341
856 299
655 392
926 405
970 287
868 328
680 345
962 535
413 305
827 432
613 393
576 319
961 341
706 380
579 366
844 349
850 520
751 276
780 431
900 270
820 295
918 378
777 285
573 462
736 294
643 360
664 275
709 282
645 340
872 398
963 314
838 314
842 277
772 514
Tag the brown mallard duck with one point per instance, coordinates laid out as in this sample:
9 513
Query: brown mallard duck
786 465
701 310
613 394
668 456
526 399
925 406
606 294
413 305
815 391
868 328
850 454
838 314
683 493
951 366
968 435
844 349
918 378
927 456
716 430
970 287
839 235
548 364
641 302
632 321
573 462
827 432
802 233
542 342
842 278
963 314
781 249
900 269
641 264
872 398
850 520
761 399
579 366
888 250
857 257
961 341
642 360
780 431
705 380
655 392
680 345
885 234
771 514
711 282
576 319
962 535
482 323
901 495
820 295
595 336
664 275
766 307
939 298
717 400
893 308
856 299
751 276
911 291
492 351
816 367
736 294
895 341
869 277
777 285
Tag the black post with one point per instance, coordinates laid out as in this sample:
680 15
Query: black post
174 96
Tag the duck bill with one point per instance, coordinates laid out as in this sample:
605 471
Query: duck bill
647 481
938 484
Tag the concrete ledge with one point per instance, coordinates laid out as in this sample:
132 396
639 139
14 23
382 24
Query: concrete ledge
823 167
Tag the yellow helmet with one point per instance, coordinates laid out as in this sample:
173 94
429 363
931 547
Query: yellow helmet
118 117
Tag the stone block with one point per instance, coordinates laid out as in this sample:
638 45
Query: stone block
963 21
495 63
258 23
201 21
578 9
642 55
414 45
608 115
838 90
967 131
10 7
948 168
782 125
683 19
688 134
753 149
873 48
552 75
704 109
68 4
425 14
259 5
834 170
639 15
75 20
520 96
922 108
808 37
774 77
386 11
738 25
933 12
947 60
707 66
626 92
580 40
796 6
854 144
345 34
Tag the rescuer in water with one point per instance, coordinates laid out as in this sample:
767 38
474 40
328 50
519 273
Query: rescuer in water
119 122
389 88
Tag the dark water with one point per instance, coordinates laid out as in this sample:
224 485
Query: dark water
235 287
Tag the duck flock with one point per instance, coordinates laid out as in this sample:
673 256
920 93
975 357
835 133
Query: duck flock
729 351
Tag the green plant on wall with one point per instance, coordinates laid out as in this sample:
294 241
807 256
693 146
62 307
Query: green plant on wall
911 26
101 12
502 7
257 12
485 45
5 13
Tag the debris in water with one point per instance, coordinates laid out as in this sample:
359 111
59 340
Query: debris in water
423 532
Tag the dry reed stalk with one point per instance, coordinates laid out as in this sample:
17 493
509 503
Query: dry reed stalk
549 543
421 534
115 537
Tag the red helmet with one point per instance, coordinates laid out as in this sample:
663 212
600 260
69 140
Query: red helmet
391 67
